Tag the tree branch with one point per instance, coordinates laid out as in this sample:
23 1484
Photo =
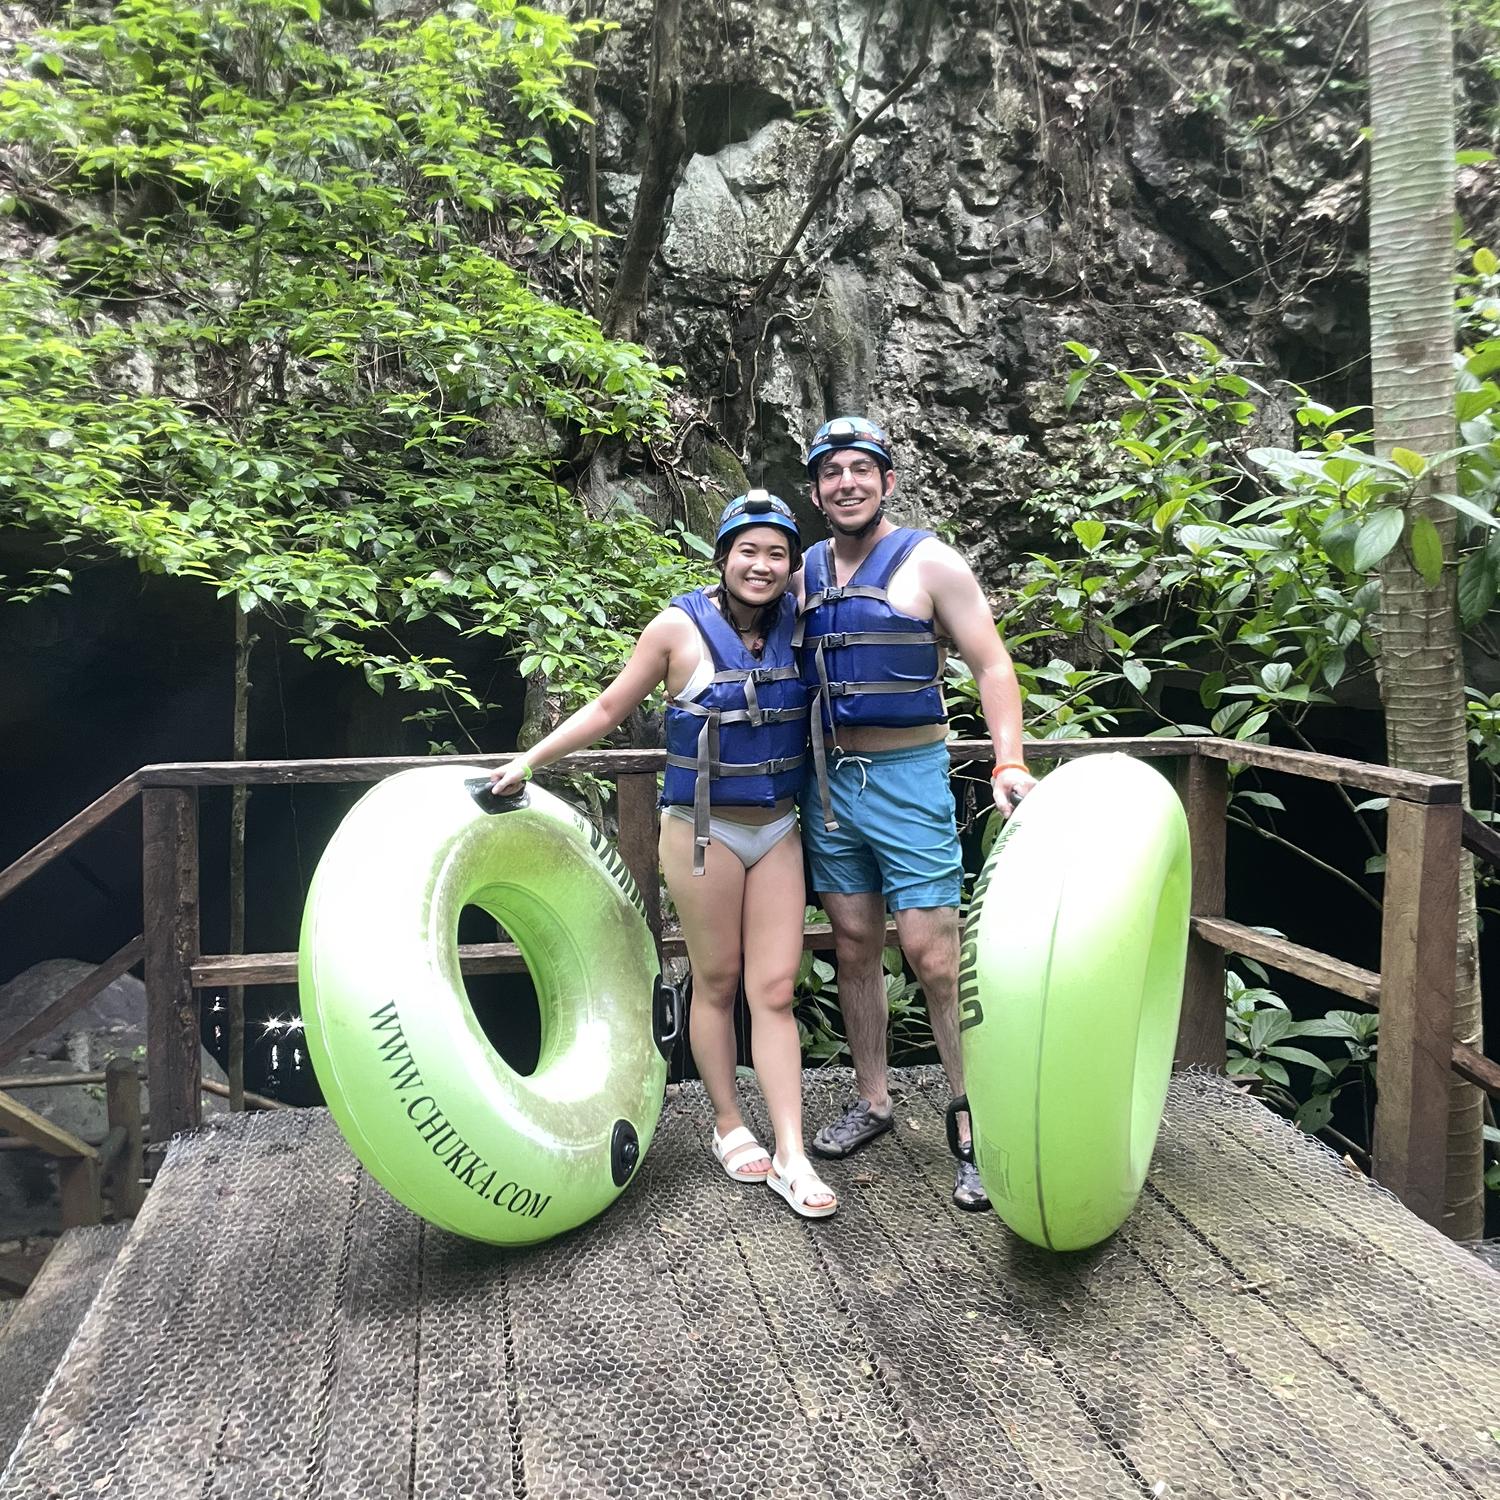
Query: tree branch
829 177
666 145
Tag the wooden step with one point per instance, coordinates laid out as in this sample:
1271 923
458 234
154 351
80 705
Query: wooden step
39 1328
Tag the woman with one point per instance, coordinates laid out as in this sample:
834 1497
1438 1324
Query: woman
730 851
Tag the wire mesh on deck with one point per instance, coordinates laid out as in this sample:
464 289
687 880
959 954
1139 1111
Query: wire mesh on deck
1267 1324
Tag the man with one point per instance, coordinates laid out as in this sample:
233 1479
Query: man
879 605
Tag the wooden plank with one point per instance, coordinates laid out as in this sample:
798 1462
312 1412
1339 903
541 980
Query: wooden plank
611 763
18 1269
251 1098
1203 786
1099 1322
190 1275
764 1317
122 1102
41 1132
1333 974
311 1204
1291 958
636 810
1256 1360
1413 786
42 854
75 998
1477 1068
305 772
1418 964
1383 1297
1481 839
78 1190
49 1080
46 1322
170 899
372 1377
252 969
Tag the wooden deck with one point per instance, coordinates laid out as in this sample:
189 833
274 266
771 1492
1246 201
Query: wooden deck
1267 1324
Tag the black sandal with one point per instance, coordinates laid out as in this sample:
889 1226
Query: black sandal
856 1127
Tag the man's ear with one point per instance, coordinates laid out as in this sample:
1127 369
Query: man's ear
890 483
812 494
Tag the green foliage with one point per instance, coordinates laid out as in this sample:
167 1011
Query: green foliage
296 343
1206 581
1263 1039
820 1023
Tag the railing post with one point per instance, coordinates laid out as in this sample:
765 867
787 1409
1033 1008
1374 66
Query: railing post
1203 785
122 1100
170 896
1418 973
636 809
78 1190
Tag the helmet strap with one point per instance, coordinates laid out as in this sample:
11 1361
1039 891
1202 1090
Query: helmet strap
858 533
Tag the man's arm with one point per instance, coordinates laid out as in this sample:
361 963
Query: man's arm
961 612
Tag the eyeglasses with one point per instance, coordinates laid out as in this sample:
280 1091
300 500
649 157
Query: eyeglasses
864 469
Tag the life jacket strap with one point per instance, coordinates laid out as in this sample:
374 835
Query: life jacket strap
820 771
773 767
741 715
706 765
836 639
848 689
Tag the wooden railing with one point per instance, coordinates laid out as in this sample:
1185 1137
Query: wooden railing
86 1173
1426 830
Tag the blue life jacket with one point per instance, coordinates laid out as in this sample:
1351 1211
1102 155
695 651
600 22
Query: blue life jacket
743 741
865 662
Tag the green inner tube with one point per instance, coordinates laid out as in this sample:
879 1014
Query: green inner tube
1070 989
429 1107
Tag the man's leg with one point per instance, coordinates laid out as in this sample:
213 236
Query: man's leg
929 938
858 921
847 880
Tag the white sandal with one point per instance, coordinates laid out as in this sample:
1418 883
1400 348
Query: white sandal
737 1148
797 1182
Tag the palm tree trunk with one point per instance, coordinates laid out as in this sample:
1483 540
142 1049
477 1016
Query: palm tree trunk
1412 347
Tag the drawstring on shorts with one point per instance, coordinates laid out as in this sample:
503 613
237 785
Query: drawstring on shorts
862 761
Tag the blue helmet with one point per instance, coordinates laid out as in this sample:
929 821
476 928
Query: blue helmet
757 508
849 432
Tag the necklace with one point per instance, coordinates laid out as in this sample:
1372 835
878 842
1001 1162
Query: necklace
752 635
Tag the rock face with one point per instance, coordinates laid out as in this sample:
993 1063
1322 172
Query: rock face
1060 171
111 1025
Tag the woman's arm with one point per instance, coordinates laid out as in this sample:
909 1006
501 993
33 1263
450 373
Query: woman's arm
646 668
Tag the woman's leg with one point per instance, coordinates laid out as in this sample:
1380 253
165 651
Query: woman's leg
709 907
774 905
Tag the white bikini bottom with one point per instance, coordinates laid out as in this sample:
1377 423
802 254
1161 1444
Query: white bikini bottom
750 842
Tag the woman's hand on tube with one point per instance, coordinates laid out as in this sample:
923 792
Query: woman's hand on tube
510 778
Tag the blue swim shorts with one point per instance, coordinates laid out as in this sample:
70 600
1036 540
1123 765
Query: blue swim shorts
896 833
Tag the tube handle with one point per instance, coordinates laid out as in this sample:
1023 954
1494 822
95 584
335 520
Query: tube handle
478 787
963 1150
667 1014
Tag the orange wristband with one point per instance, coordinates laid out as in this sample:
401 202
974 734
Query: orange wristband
1007 765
